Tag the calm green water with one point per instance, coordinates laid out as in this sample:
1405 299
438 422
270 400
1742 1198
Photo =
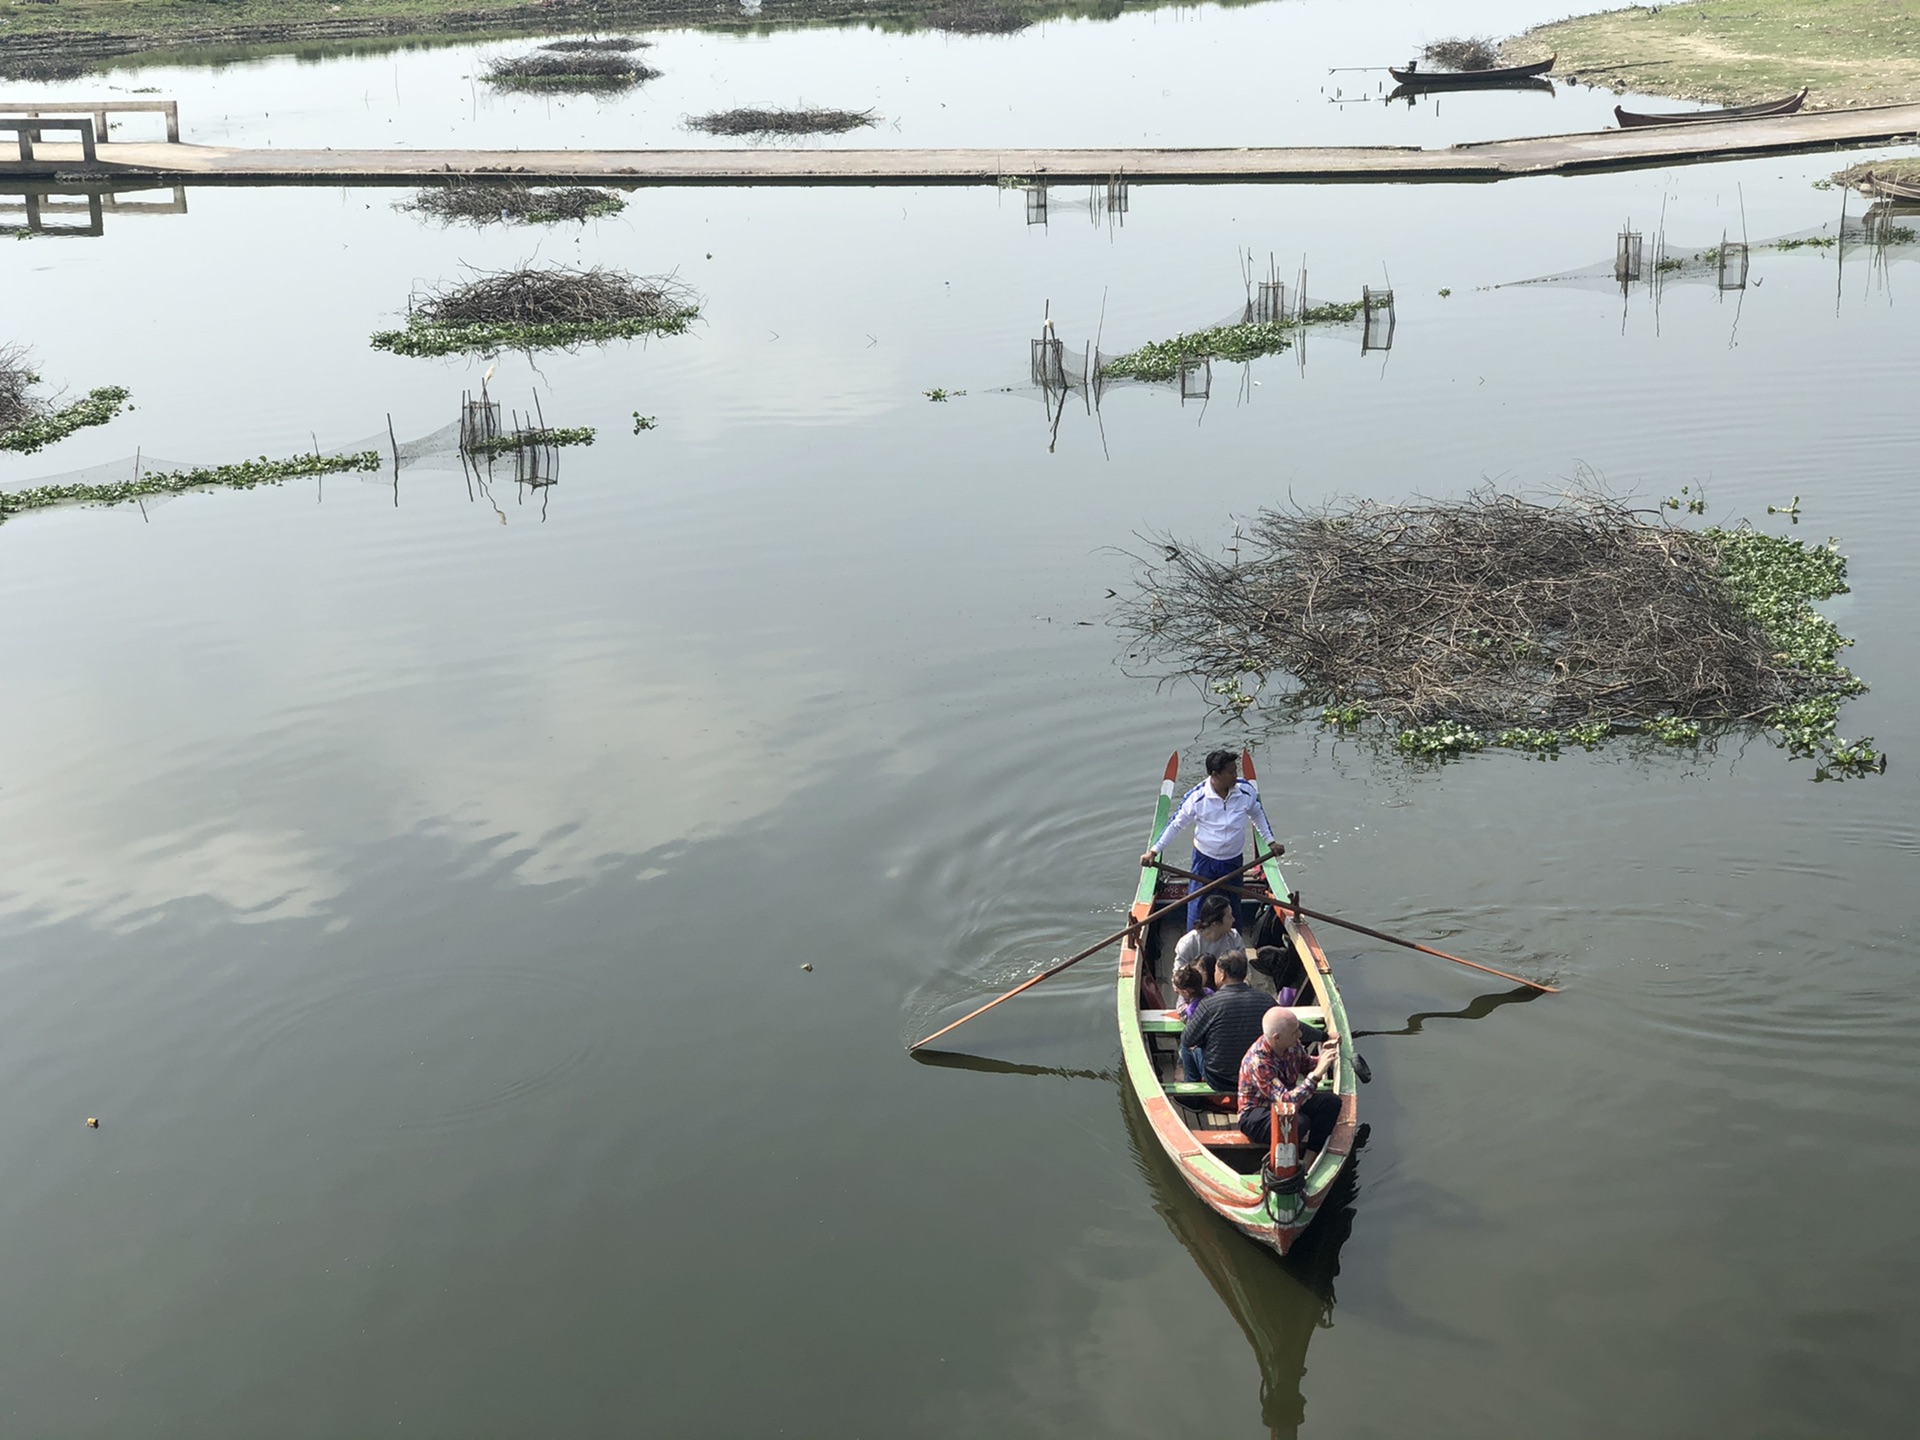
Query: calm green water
418 890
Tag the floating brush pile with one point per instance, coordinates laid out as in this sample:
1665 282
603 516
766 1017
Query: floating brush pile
555 308
1472 52
972 18
591 71
764 124
29 423
18 403
1499 620
616 43
514 204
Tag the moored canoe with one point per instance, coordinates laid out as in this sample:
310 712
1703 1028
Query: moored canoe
1629 119
1412 74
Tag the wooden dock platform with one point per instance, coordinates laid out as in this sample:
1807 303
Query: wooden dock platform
1599 150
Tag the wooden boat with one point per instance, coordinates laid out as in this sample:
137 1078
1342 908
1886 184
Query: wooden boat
1890 189
1468 79
1631 118
1217 1162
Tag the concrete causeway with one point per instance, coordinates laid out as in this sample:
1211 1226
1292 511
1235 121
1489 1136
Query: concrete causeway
1599 150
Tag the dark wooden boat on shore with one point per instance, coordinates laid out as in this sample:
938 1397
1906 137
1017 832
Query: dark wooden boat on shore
1268 1196
1468 79
1629 119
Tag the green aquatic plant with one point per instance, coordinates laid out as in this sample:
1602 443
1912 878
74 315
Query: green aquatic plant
425 338
1671 730
522 439
1232 697
1810 242
1777 581
1345 717
1589 734
36 432
1524 737
1439 741
643 422
243 476
1164 359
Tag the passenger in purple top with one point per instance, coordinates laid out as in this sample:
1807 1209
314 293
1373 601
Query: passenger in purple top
1223 1026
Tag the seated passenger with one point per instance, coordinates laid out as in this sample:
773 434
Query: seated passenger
1224 1025
1283 967
1276 1067
1215 937
1189 989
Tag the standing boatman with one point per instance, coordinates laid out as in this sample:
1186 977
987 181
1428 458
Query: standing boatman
1218 809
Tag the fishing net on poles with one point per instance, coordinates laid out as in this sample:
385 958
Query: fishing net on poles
1274 319
437 450
1722 264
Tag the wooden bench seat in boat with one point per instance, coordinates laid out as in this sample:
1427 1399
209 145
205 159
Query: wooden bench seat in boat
1223 1139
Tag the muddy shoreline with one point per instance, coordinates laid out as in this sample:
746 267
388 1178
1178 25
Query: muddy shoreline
1735 52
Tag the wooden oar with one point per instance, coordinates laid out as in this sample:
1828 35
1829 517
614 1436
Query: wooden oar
1298 909
1095 949
1264 896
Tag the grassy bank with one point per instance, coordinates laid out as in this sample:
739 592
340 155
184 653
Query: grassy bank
41 39
1851 52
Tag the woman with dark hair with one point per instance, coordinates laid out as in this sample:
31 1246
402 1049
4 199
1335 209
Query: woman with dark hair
1212 938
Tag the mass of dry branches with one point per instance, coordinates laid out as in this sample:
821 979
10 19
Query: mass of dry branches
1489 611
513 204
757 122
588 70
552 296
1472 52
17 400
621 43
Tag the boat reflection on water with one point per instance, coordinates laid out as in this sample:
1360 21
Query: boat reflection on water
1277 1301
1409 93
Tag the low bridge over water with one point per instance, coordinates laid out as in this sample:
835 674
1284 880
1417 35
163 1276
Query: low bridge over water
173 163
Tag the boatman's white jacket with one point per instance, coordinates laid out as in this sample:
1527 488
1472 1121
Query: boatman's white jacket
1219 822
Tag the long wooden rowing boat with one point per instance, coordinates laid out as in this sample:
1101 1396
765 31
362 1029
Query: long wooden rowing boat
1467 79
1890 189
1630 119
1215 1160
